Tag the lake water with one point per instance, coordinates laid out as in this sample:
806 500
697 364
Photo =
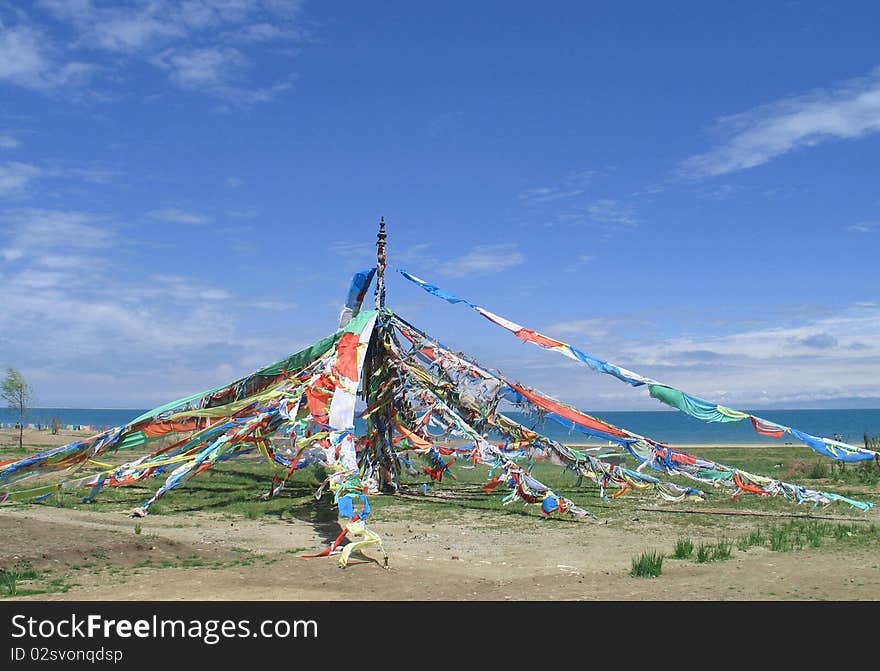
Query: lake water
666 426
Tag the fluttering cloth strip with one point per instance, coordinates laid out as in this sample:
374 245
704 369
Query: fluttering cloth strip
649 452
698 408
356 292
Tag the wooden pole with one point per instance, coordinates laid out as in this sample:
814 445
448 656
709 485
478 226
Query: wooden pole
380 265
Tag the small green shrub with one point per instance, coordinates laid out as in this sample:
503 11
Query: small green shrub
648 565
684 548
779 540
10 579
754 539
705 553
721 550
814 535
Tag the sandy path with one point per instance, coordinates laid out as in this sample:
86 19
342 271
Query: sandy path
456 559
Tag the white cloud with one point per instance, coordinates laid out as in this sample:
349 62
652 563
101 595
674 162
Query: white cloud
39 279
829 334
275 306
177 288
358 250
16 177
607 211
22 58
480 259
176 215
89 327
483 259
243 213
11 254
596 328
189 40
850 111
208 69
53 240
832 357
130 33
242 97
233 182
606 214
96 175
34 228
27 59
835 356
268 32
9 141
864 227
573 184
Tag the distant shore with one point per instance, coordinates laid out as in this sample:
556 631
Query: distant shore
34 437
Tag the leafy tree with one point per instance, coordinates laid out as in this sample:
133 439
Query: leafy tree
18 395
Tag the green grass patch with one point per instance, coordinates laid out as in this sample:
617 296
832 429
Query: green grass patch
780 541
705 553
721 550
684 548
647 565
818 471
712 552
754 539
231 490
10 578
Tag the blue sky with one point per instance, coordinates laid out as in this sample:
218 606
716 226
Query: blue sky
688 190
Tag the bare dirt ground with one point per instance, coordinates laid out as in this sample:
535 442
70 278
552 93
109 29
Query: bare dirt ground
205 556
460 555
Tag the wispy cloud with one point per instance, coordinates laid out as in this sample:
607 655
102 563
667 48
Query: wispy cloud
96 175
191 41
274 306
596 328
15 178
864 227
612 212
849 111
239 97
145 25
607 214
54 239
355 250
816 341
573 184
233 182
28 60
176 288
52 250
208 69
830 357
243 213
35 229
578 262
9 141
176 215
483 259
18 180
480 259
73 304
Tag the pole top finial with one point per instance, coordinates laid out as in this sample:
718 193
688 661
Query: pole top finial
380 265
